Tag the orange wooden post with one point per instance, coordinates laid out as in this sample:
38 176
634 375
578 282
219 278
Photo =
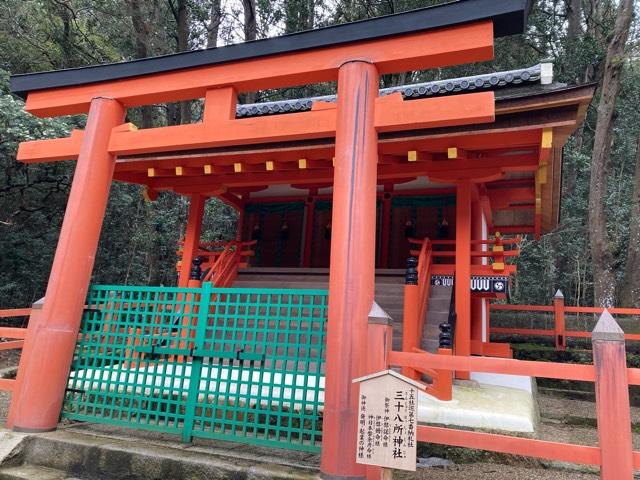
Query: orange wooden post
352 266
559 323
192 237
380 344
308 232
384 229
380 339
53 343
498 253
411 314
462 336
612 400
444 378
477 303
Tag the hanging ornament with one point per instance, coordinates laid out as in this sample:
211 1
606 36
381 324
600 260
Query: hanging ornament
256 233
409 229
443 229
284 231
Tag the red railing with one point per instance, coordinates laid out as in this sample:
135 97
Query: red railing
416 301
559 310
610 374
224 264
15 340
425 260
445 249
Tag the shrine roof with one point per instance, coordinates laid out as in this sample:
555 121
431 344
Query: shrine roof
501 82
508 16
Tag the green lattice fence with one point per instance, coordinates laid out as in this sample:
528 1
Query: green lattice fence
239 364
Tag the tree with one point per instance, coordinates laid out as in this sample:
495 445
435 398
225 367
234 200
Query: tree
142 41
630 293
250 28
215 14
181 15
602 255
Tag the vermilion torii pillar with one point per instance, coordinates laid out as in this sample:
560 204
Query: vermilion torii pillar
44 377
352 272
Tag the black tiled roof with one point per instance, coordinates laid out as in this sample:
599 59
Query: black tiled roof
488 81
508 16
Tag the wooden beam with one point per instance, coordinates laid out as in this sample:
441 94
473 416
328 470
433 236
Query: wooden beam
514 163
506 198
395 114
53 150
392 114
455 45
386 173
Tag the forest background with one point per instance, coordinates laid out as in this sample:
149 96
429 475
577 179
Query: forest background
593 255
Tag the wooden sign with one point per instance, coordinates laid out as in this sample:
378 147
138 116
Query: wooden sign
387 420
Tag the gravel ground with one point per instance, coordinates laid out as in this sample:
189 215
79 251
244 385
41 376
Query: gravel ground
5 397
553 406
8 358
493 471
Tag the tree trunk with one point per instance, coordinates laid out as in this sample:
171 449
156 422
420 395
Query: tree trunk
250 25
142 42
250 33
630 295
602 246
182 21
574 19
214 24
574 31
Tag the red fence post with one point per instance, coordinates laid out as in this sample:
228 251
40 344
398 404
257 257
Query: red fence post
559 328
612 399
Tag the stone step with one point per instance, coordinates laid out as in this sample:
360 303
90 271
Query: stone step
439 304
440 292
77 452
381 280
32 472
289 283
430 345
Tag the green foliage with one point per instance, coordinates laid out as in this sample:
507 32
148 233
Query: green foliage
29 202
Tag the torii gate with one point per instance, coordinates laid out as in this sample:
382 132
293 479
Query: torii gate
353 54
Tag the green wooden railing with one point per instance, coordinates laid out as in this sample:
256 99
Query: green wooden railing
245 365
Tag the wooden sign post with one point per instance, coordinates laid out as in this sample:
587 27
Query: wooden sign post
388 420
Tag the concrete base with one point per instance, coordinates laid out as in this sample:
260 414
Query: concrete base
99 452
518 382
482 406
496 402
